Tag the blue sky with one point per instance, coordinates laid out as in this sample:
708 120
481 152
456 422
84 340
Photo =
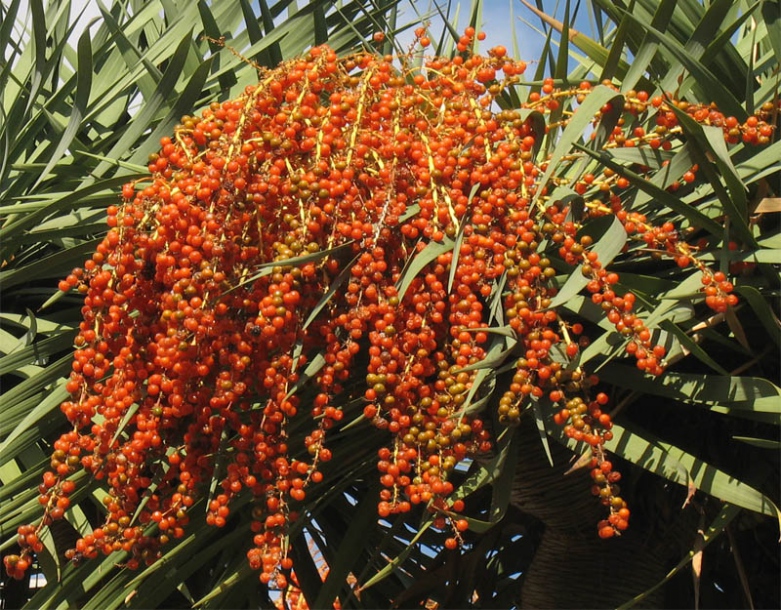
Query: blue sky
506 22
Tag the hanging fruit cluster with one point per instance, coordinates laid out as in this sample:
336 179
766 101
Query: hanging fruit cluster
348 228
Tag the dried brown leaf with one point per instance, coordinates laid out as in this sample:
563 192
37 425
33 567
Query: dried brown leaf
581 462
737 328
699 545
768 205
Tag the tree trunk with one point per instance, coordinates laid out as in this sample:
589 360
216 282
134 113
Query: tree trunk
572 566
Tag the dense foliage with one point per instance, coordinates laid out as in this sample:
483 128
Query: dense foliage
373 261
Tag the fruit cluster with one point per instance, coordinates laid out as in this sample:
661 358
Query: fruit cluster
348 231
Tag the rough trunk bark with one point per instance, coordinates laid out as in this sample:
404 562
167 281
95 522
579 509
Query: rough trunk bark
573 567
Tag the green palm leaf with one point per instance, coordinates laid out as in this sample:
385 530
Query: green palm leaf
79 117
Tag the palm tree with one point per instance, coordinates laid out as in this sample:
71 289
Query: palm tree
77 123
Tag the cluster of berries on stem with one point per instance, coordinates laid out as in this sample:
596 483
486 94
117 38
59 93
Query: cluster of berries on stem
348 231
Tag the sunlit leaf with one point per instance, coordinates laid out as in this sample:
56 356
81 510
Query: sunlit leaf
429 253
